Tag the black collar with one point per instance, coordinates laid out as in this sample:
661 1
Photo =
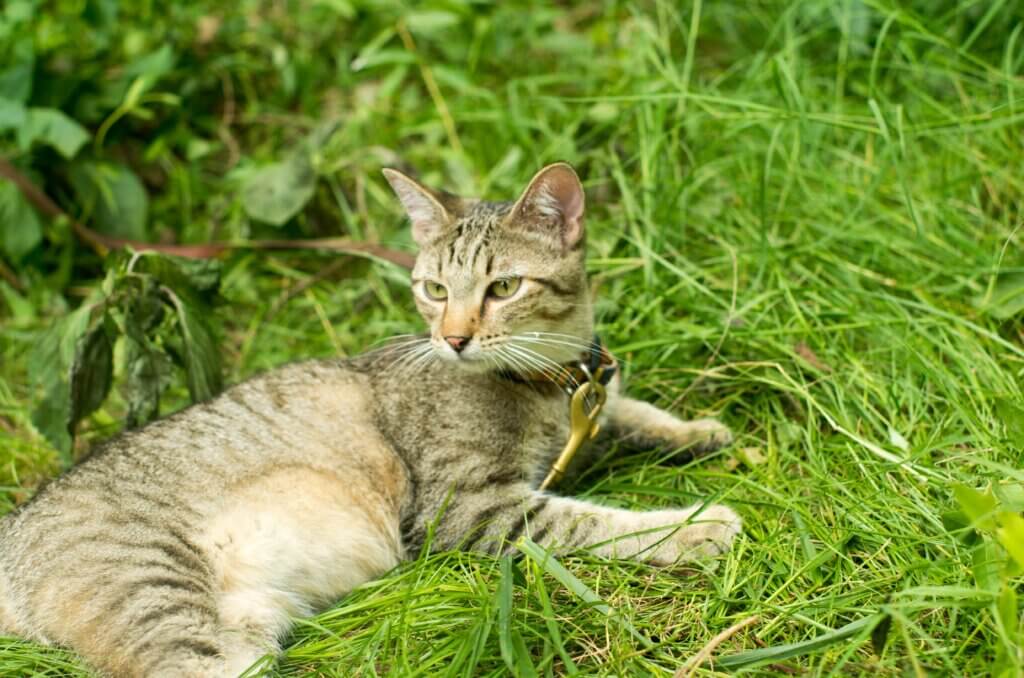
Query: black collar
595 364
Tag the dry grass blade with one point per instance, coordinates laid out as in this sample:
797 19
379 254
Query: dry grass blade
704 656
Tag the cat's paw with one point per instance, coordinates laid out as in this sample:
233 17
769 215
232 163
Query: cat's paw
707 435
703 534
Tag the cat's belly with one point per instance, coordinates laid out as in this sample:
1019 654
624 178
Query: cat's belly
293 540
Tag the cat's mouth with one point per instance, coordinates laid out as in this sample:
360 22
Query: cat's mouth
469 356
516 355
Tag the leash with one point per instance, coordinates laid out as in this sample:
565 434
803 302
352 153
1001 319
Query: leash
585 379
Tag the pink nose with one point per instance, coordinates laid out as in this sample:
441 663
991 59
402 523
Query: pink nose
458 343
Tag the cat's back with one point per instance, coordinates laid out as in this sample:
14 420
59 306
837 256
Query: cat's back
264 420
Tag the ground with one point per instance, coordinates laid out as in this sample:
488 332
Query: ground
804 218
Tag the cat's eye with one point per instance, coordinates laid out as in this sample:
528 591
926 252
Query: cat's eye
504 288
435 290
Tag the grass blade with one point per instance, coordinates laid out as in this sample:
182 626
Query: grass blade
549 564
862 627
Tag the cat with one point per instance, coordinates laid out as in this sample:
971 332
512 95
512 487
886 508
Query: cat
186 547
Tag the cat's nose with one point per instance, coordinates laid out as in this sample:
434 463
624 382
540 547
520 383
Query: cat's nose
458 343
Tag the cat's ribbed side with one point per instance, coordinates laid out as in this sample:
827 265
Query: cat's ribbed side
184 548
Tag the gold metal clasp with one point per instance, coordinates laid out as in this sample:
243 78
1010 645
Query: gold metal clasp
582 425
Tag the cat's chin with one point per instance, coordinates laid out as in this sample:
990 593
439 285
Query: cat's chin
471 364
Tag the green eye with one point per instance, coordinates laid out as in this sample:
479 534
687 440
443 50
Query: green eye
505 287
435 290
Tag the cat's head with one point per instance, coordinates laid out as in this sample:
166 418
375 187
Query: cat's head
502 284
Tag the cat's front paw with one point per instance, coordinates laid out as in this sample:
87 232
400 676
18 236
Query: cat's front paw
703 534
697 437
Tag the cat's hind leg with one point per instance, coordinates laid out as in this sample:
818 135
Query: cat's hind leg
150 618
9 625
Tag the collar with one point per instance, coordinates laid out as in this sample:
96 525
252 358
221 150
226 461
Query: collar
596 364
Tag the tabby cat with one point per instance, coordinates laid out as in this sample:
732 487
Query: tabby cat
185 548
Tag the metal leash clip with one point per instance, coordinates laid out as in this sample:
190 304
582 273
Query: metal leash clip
583 424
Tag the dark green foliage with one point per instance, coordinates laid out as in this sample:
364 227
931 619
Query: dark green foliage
112 196
91 371
20 228
149 299
276 192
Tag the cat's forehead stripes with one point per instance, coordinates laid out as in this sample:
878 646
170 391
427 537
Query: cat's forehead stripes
469 244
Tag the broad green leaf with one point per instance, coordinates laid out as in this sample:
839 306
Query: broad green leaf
12 114
20 229
19 11
1011 535
102 13
957 522
1006 299
20 308
199 276
16 79
113 196
987 564
152 66
277 192
978 506
144 381
52 127
1007 613
91 372
50 417
781 652
1008 610
1011 414
49 366
1011 496
199 348
146 367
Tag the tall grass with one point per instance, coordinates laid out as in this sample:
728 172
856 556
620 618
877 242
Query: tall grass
804 218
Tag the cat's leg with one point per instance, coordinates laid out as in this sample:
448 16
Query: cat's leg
638 425
161 624
10 624
291 540
565 524
192 653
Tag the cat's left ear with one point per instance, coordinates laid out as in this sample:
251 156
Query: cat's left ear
552 204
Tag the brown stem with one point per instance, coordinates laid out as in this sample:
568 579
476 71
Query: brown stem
103 243
12 279
688 669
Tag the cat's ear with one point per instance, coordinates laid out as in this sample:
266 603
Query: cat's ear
552 204
428 215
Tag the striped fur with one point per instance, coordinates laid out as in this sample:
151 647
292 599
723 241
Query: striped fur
184 548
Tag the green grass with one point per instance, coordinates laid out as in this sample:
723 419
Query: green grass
804 218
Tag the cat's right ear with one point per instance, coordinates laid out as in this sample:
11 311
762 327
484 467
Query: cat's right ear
428 216
552 205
